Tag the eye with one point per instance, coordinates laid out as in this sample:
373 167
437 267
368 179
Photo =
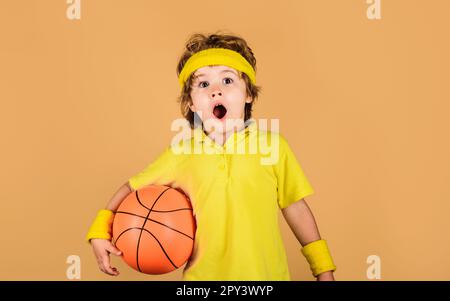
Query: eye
203 84
227 80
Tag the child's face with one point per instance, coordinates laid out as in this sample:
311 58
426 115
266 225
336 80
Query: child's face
214 85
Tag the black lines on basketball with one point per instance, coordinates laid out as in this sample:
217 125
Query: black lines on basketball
155 221
137 197
159 211
159 243
171 228
143 225
129 213
162 248
155 227
123 232
151 209
168 211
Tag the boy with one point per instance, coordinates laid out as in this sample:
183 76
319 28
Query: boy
235 196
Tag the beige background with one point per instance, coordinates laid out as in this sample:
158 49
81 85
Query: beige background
85 104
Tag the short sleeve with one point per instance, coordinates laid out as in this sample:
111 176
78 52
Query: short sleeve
292 184
158 172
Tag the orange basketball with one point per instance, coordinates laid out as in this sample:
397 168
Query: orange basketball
154 228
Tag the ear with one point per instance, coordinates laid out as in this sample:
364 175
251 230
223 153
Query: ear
248 99
192 107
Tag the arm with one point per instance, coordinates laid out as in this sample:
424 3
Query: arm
301 221
103 247
118 197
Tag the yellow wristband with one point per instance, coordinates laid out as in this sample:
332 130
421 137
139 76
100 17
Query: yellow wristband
318 257
101 227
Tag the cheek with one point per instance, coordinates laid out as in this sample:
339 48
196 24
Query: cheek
242 91
198 100
239 97
195 96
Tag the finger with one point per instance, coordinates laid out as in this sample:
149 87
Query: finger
114 250
108 267
100 265
109 270
101 268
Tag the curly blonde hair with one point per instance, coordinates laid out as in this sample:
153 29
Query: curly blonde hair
198 42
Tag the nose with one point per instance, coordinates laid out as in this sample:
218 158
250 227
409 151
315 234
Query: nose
215 93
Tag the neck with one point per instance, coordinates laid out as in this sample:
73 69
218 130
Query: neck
221 138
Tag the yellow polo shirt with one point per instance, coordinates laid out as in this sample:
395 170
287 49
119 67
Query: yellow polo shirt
236 191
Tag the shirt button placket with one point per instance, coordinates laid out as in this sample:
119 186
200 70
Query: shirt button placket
222 164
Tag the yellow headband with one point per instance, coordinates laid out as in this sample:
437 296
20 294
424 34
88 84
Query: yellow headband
216 56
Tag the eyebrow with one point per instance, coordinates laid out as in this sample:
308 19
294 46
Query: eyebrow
223 71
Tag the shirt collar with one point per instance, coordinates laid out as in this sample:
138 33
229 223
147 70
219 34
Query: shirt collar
235 138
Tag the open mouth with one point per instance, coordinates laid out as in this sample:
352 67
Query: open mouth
219 111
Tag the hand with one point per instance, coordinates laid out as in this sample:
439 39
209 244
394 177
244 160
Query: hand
102 249
326 276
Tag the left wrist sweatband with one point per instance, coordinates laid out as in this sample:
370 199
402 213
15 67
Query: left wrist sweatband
318 257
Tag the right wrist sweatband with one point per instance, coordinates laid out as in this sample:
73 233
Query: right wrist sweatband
101 227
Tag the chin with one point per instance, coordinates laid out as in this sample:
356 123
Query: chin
223 125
